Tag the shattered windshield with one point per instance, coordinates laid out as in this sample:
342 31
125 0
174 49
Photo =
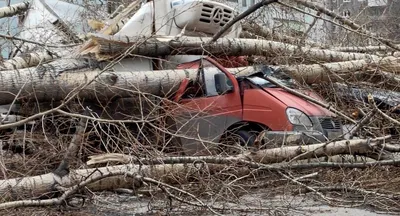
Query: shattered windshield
267 84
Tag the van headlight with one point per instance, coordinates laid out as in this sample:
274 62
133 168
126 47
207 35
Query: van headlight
297 117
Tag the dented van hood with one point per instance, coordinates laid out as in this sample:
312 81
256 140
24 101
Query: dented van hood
294 101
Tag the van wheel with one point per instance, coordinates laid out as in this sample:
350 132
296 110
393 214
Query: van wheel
237 142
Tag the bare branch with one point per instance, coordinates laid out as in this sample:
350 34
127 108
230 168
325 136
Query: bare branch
243 15
14 9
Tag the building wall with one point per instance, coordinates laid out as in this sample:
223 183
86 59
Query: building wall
378 16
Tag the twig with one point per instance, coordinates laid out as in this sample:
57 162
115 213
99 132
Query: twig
342 165
61 25
12 104
10 37
360 190
150 180
73 147
372 102
346 21
363 122
311 25
328 199
241 16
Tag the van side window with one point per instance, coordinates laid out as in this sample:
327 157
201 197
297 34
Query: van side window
193 90
209 70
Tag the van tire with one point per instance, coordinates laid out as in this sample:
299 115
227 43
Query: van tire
246 138
239 139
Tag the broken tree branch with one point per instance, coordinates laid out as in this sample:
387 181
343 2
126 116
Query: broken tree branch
10 37
28 60
61 25
105 47
73 147
241 16
179 167
372 101
14 9
267 156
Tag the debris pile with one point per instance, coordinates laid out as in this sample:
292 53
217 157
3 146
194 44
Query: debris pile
196 102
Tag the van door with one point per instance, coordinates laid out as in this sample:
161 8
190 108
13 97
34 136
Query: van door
203 113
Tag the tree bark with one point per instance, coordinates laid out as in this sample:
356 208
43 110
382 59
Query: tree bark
328 72
28 60
362 48
46 185
14 9
105 46
267 156
54 81
176 169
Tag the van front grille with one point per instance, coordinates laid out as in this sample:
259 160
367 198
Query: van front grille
330 123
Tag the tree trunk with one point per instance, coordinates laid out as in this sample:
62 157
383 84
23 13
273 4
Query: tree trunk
27 60
14 9
362 48
328 72
54 81
45 185
110 46
267 156
176 168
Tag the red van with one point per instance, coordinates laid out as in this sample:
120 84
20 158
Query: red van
219 106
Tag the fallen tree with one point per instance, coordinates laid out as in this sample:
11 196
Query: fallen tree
175 169
105 47
55 80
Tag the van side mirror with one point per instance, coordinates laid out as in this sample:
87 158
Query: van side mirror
220 83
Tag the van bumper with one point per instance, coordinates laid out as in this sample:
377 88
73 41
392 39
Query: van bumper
295 137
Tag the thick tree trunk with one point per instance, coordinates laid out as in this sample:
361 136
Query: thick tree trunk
54 81
175 168
328 72
105 46
46 184
28 60
14 9
362 49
